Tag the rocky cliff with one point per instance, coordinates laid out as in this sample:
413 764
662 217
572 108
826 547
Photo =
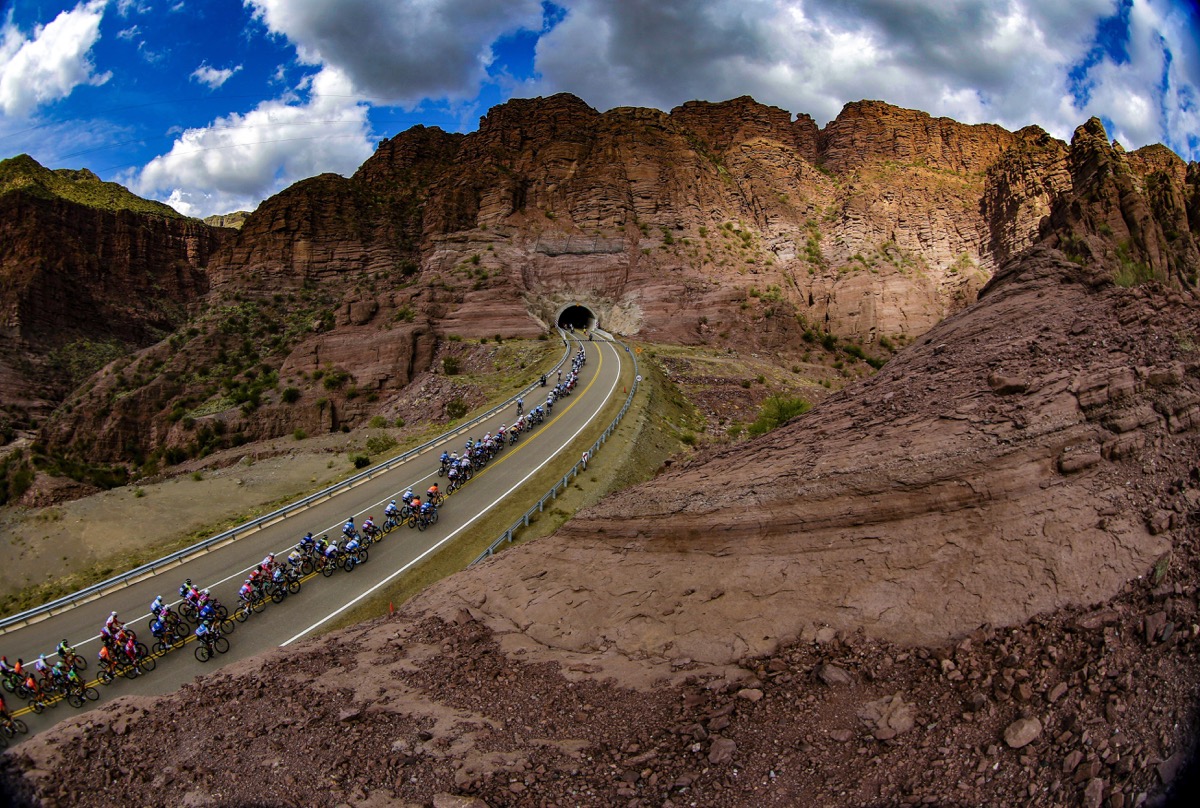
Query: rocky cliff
730 222
87 270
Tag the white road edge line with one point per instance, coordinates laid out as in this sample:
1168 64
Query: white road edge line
471 521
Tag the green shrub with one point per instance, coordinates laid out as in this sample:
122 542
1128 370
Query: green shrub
399 423
378 444
451 365
335 379
299 434
377 422
290 395
360 461
777 410
456 408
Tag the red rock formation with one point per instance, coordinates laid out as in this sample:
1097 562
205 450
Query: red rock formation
69 272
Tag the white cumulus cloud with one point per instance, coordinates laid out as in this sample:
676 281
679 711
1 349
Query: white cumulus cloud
1007 62
240 159
214 77
401 52
49 64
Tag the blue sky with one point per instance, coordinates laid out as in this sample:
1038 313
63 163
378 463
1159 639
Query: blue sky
214 105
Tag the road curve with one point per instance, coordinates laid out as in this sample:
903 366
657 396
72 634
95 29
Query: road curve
323 599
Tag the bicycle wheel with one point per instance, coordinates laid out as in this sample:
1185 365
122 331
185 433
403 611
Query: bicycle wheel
131 671
203 652
433 518
306 567
147 663
20 726
349 564
279 594
90 693
160 647
258 604
422 523
142 649
105 676
227 626
79 663
293 587
75 700
362 556
9 684
38 707
222 611
242 614
328 569
221 644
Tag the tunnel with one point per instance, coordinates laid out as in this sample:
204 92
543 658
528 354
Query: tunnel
577 317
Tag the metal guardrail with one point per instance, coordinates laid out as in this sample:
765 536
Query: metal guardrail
507 536
178 557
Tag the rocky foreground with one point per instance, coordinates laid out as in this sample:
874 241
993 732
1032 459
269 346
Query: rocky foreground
970 580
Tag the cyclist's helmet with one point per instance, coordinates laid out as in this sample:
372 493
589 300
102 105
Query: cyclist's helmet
308 535
204 591
64 641
269 555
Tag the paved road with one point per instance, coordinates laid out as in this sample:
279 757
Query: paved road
322 599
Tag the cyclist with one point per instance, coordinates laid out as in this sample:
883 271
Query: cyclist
268 563
5 715
427 510
41 667
186 588
65 651
131 650
348 528
406 498
445 460
113 623
158 628
34 687
157 606
105 658
306 543
432 493
331 553
295 559
205 634
520 405
207 613
368 526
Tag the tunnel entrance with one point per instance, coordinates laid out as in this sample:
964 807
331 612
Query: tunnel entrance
577 317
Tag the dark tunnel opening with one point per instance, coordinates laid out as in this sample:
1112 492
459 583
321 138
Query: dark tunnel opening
578 317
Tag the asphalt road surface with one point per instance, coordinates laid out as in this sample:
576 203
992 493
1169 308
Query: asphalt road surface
322 599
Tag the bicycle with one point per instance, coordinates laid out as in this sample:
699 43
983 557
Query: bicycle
77 695
352 560
11 727
75 661
207 649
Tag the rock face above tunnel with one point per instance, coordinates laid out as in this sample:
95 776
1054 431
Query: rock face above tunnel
991 472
